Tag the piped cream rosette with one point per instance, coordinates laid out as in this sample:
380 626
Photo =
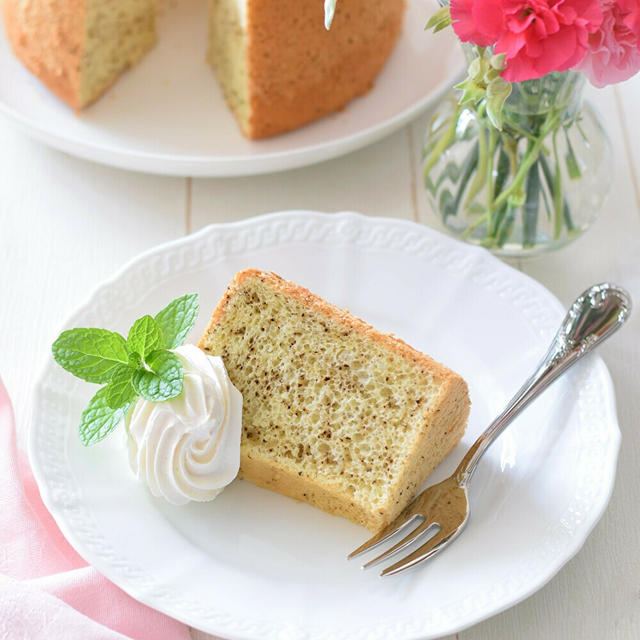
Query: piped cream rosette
188 448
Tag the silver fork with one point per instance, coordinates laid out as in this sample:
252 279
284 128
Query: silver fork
443 508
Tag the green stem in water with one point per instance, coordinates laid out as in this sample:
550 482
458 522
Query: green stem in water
481 173
488 164
502 173
442 145
529 158
523 132
506 225
531 205
469 167
493 136
474 225
563 211
558 200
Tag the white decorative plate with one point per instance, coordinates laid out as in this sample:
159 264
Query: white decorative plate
255 565
167 115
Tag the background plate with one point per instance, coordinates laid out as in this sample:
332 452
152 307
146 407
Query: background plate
167 115
255 565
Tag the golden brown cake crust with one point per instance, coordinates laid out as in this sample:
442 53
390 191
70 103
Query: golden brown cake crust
47 36
299 71
447 417
326 308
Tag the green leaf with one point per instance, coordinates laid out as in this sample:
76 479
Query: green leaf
472 92
440 20
498 61
446 203
469 166
120 390
144 336
497 92
90 354
573 167
329 11
502 173
506 226
516 198
560 202
135 361
490 75
476 69
163 380
531 207
99 419
177 318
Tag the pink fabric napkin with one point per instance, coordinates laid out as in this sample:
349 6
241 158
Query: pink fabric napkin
47 590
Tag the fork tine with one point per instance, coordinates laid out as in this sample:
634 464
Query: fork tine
427 550
383 535
399 546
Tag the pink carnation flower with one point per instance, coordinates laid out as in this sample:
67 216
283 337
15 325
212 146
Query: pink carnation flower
536 36
477 21
614 49
631 10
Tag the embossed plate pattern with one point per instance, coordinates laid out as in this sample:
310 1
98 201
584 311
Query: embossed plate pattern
255 565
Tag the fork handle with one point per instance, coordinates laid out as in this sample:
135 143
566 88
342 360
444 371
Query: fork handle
592 318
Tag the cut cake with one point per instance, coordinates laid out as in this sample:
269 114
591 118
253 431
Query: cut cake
335 413
278 66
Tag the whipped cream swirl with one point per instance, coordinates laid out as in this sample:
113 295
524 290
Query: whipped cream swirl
188 448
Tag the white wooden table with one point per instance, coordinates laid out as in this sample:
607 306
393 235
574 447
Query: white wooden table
66 225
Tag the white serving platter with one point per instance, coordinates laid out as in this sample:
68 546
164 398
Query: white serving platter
168 115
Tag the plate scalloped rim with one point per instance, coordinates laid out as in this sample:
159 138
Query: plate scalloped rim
48 456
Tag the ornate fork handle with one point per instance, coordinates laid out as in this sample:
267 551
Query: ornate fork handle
592 318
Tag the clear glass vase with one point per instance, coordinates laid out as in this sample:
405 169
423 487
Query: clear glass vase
532 186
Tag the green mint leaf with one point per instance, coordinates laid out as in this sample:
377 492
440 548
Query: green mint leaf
135 361
144 336
120 390
90 354
99 419
177 318
163 381
329 11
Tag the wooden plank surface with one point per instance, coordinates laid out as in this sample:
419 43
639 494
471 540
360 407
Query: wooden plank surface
67 224
375 180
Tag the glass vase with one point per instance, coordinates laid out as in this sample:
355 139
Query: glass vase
533 185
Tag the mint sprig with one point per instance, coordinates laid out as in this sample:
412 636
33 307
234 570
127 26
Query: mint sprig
144 337
163 380
120 389
90 354
99 419
176 319
141 365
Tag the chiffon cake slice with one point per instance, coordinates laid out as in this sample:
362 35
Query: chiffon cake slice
335 413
